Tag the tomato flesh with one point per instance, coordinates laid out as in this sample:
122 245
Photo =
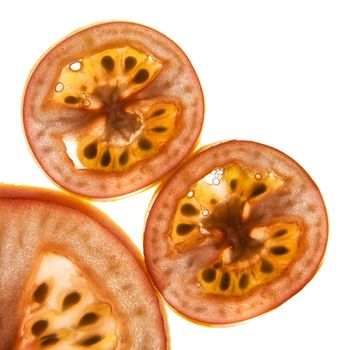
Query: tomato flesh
245 230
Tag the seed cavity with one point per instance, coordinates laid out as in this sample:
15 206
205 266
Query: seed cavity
145 144
108 63
280 233
266 266
90 151
158 112
279 250
89 318
258 190
209 275
129 63
72 100
50 339
70 300
40 293
91 341
233 185
184 229
244 281
124 157
105 159
141 76
225 281
39 327
159 129
189 210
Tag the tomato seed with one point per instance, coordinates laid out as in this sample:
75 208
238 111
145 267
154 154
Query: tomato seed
141 76
258 190
40 293
124 157
225 281
39 327
105 159
189 210
280 233
233 184
159 129
72 100
209 275
91 341
266 266
145 144
244 281
184 229
108 63
279 250
129 63
89 318
90 151
158 112
70 300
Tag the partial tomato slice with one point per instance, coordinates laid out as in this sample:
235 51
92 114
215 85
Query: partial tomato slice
70 279
234 233
111 109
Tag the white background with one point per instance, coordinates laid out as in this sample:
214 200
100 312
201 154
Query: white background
277 72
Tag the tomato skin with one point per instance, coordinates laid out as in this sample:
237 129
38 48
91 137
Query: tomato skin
176 271
27 198
44 123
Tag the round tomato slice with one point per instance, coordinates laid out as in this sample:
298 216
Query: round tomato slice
234 233
70 279
111 109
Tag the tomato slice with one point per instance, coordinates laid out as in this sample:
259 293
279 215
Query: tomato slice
234 233
71 279
111 109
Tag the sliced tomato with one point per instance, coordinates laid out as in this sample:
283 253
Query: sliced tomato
234 233
71 279
111 109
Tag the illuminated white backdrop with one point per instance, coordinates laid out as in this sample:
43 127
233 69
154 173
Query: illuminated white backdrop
276 72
